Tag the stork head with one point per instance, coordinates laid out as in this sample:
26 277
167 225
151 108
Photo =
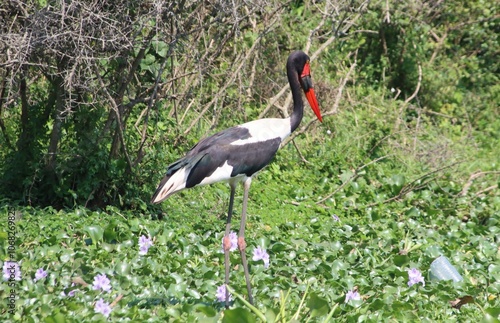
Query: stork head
299 63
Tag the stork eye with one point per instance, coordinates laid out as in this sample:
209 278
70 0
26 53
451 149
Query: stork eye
306 70
306 83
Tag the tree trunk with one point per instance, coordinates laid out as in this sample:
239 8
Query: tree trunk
25 136
55 135
3 93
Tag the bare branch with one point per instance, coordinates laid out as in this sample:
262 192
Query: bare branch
411 97
230 80
471 180
118 118
416 184
350 179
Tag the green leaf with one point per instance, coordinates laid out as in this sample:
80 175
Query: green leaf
56 318
270 315
398 180
122 268
401 260
174 312
318 305
207 310
95 232
147 61
491 315
278 247
59 318
238 315
161 48
346 175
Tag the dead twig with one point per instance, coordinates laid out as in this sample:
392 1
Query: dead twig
334 109
118 118
492 187
230 79
318 27
411 97
300 154
472 178
350 179
321 48
79 281
117 299
415 184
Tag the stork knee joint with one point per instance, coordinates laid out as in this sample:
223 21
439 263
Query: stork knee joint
226 243
241 243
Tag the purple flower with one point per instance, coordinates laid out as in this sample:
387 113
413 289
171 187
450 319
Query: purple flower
352 295
415 277
144 244
233 237
260 254
40 273
102 307
335 218
11 270
221 294
102 282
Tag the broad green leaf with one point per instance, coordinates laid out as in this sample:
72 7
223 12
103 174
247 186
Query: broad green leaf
491 315
95 232
401 260
317 305
238 315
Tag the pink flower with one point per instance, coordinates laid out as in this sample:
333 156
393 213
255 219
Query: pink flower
352 295
101 282
11 270
102 307
260 254
144 244
221 294
40 273
415 277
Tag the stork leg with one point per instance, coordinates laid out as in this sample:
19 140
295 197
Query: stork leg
241 237
227 242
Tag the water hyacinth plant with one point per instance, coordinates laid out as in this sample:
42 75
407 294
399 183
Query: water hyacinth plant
261 254
11 270
102 307
144 244
415 277
352 295
220 294
183 271
326 258
101 282
40 274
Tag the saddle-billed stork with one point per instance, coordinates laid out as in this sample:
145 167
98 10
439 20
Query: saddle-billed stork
234 155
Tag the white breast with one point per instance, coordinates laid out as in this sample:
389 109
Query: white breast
265 129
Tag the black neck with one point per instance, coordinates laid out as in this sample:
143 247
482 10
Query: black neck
298 104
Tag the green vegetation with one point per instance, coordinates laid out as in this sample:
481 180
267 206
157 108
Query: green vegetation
407 158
